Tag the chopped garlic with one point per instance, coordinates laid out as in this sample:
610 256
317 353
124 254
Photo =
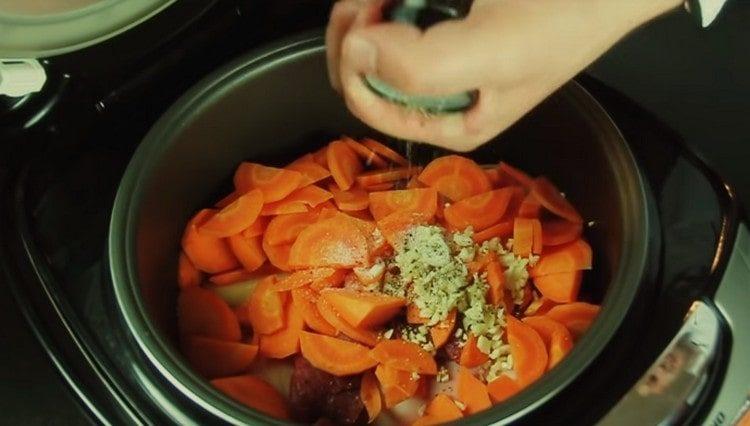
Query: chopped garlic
388 333
461 406
442 375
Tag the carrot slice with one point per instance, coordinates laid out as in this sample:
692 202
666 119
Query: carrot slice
304 301
311 171
496 280
442 331
501 230
472 392
576 316
230 277
471 356
337 242
556 337
529 353
321 156
249 251
369 393
570 257
361 335
363 309
510 175
551 198
397 385
334 280
539 306
256 228
343 164
385 151
217 358
402 355
227 200
502 388
278 255
479 211
254 392
355 199
368 156
207 253
414 183
335 356
298 201
303 277
395 226
385 186
560 231
376 177
266 307
494 176
414 316
561 288
440 410
530 207
423 200
275 183
202 313
187 274
235 217
536 246
284 228
285 342
523 236
455 177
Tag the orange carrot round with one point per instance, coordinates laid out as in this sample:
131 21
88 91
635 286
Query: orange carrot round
530 207
561 288
479 211
256 393
285 342
249 251
336 242
266 307
303 277
385 186
529 353
187 274
278 255
361 308
311 171
496 280
570 257
377 177
556 337
422 200
385 151
368 156
275 183
397 385
576 316
202 313
502 388
343 164
523 236
550 197
235 217
298 201
257 228
362 335
560 231
455 177
217 358
471 356
440 410
403 355
369 393
472 392
304 300
335 356
500 230
207 253
510 175
284 228
442 331
230 277
355 199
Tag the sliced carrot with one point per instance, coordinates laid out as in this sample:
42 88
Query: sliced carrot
560 231
334 280
187 274
217 358
361 214
230 277
539 306
311 171
284 228
368 156
494 176
369 394
278 255
376 177
395 226
397 385
510 175
502 388
337 242
303 277
423 200
570 257
530 207
355 199
519 194
414 183
536 246
363 309
402 355
266 307
256 393
335 356
227 200
257 228
207 253
285 342
556 337
235 217
576 316
481 262
385 151
442 331
496 280
471 356
321 156
414 316
560 288
343 164
298 201
249 251
440 410
275 183
529 353
500 230
479 211
200 312
523 236
551 198
361 335
304 300
472 392
455 177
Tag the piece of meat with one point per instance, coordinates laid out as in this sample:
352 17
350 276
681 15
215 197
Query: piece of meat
315 395
451 350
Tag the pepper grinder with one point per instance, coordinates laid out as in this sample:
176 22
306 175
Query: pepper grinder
423 14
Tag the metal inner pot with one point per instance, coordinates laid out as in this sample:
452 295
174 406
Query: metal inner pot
273 105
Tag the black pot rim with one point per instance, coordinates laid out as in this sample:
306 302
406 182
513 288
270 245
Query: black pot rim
164 358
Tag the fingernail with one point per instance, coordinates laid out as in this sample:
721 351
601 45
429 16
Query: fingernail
363 53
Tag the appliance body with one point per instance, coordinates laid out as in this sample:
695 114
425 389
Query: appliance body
64 151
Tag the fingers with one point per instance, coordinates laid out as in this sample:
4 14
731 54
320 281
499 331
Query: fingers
342 18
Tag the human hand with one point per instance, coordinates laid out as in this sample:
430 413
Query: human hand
514 52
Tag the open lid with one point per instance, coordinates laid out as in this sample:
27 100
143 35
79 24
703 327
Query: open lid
43 28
